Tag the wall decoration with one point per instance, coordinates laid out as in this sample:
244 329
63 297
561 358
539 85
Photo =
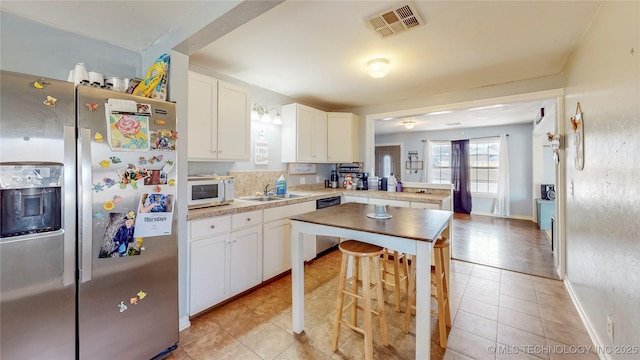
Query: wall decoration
261 151
302 169
577 125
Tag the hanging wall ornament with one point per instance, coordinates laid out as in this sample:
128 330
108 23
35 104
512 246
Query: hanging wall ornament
577 125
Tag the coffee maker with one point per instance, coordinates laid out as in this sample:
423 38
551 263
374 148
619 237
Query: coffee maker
363 181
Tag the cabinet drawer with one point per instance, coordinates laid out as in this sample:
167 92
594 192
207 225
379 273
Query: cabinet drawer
246 219
210 226
282 212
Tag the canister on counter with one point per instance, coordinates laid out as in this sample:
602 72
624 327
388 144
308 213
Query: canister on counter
373 183
383 184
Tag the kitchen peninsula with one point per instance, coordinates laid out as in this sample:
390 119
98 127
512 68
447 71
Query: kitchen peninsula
411 231
238 247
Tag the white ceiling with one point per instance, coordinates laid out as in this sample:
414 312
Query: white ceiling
316 51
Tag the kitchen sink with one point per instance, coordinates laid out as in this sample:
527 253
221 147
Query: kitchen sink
272 197
261 198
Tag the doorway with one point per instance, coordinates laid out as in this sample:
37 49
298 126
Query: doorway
388 161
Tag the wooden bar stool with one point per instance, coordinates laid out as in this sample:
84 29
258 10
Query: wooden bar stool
439 280
361 253
396 280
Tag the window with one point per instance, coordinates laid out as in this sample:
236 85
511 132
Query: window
484 157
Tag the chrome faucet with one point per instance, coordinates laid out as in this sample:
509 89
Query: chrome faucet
266 190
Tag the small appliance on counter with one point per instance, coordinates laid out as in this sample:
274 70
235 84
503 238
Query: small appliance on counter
363 181
333 183
210 190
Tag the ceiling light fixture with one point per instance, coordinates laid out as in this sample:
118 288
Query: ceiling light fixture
409 124
378 68
259 112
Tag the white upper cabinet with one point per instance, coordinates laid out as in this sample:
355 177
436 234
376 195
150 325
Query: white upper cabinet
304 134
234 122
342 137
219 122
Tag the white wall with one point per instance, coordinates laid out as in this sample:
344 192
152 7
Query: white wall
32 48
519 142
603 214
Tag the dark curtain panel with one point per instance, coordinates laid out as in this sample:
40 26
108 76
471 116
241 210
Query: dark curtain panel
460 176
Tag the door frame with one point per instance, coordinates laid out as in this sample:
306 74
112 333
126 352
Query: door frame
373 163
561 186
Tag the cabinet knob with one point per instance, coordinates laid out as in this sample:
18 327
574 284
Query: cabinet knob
212 226
248 219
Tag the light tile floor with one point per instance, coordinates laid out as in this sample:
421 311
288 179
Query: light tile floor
523 316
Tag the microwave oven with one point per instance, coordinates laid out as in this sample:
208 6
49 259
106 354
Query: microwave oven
210 191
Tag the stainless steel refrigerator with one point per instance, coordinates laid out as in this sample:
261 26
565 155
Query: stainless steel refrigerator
88 250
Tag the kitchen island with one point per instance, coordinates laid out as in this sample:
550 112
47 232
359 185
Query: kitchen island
412 231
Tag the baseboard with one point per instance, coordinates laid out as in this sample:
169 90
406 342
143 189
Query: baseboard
184 323
516 217
592 334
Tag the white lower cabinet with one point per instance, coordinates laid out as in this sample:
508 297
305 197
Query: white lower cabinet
423 205
277 251
355 199
277 238
225 258
398 203
245 259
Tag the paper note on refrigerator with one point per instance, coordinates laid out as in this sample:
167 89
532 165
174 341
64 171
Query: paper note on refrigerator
155 215
127 125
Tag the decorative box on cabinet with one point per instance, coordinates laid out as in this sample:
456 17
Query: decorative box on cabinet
218 120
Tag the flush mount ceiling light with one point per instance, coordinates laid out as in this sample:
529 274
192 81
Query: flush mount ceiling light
259 112
378 68
409 124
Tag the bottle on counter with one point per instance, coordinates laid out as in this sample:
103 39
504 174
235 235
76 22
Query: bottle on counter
391 183
281 185
399 186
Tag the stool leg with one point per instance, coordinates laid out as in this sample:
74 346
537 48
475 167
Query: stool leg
443 306
354 289
396 278
380 296
366 304
340 302
411 294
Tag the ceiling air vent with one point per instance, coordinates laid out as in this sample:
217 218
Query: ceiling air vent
394 21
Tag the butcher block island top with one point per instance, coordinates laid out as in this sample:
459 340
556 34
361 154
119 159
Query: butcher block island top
415 224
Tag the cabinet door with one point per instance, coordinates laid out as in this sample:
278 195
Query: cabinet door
342 137
277 252
234 104
245 260
319 136
311 134
207 272
424 205
203 117
398 203
356 199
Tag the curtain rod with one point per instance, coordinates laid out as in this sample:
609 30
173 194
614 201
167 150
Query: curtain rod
483 137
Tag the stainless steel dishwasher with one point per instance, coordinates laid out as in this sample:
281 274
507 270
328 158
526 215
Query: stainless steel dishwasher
325 244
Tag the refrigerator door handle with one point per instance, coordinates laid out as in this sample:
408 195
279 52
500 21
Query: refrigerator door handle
69 196
85 204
